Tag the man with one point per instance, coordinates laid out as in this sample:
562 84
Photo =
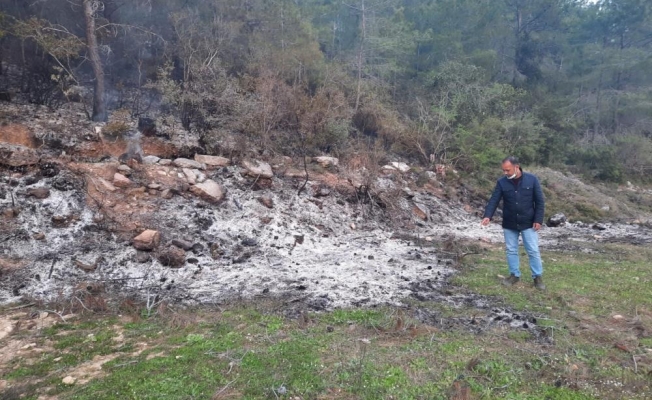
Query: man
523 206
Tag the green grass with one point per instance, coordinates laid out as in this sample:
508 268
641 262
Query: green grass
249 352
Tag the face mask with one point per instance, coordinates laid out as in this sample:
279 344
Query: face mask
512 177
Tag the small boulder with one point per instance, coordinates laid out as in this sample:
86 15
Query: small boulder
150 159
186 163
403 167
421 211
212 161
257 168
148 240
39 193
121 181
68 380
556 220
326 162
172 257
190 175
208 190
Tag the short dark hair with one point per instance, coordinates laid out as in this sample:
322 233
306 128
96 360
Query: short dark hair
512 160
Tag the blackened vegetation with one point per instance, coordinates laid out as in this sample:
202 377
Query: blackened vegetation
38 85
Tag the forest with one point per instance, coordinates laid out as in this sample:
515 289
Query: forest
559 83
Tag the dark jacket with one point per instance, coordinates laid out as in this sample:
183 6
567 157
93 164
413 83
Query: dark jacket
522 205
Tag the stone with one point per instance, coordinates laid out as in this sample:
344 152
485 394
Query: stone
186 163
599 226
164 161
212 161
39 236
257 169
150 160
142 257
326 162
190 175
17 156
148 240
39 193
68 380
403 167
556 220
266 201
322 191
124 169
421 211
172 257
167 194
182 244
106 185
208 190
121 181
154 186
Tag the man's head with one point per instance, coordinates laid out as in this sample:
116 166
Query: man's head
511 167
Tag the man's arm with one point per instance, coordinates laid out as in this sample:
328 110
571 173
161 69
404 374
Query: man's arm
539 202
492 204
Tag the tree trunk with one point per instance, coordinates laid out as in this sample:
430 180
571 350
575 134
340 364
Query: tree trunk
99 102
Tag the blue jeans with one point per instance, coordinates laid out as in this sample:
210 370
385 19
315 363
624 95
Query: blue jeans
531 244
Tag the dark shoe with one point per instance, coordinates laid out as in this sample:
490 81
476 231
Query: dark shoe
538 283
512 280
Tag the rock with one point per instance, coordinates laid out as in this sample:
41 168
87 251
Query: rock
147 240
17 156
249 242
190 175
150 160
154 186
167 194
68 380
208 190
172 257
257 169
322 191
39 236
186 163
421 211
556 220
326 162
403 167
121 181
106 185
164 161
197 248
599 226
142 257
605 208
266 201
430 175
39 193
124 169
183 244
212 161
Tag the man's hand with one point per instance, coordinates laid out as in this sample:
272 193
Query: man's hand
536 226
485 221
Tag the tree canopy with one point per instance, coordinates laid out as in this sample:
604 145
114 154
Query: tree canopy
556 82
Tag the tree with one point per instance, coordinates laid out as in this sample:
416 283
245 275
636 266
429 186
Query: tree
91 7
